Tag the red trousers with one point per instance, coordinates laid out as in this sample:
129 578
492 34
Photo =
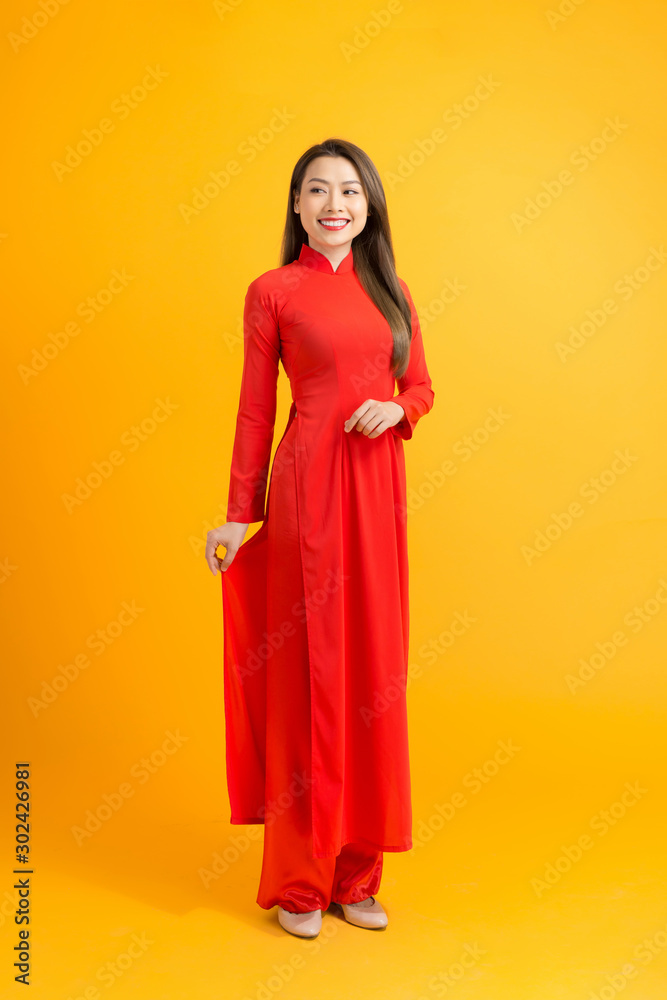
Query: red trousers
290 876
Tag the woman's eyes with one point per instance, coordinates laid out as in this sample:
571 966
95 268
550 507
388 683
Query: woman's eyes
351 190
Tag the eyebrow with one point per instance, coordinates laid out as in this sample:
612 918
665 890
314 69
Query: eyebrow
328 182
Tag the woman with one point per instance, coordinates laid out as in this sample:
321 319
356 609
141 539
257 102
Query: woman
315 604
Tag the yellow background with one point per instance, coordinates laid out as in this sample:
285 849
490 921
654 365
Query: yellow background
384 76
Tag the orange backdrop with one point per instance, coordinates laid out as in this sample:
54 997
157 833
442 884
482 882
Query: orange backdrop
147 160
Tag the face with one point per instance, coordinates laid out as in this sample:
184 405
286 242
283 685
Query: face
331 190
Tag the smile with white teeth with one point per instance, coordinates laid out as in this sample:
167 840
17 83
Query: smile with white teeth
333 223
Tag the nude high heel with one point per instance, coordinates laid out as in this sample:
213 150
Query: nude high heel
372 916
302 924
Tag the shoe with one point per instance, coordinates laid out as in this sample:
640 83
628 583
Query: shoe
302 924
372 916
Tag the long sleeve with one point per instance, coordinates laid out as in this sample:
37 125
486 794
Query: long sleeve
256 416
415 394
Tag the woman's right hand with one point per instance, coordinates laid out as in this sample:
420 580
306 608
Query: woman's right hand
230 535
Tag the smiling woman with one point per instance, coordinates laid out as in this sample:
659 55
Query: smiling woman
330 205
316 602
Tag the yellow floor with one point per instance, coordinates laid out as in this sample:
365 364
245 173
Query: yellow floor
470 913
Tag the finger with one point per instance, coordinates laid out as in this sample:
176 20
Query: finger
354 417
373 421
227 561
382 426
363 422
211 556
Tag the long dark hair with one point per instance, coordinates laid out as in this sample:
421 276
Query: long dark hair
373 251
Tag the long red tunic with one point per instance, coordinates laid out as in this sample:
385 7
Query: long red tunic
349 493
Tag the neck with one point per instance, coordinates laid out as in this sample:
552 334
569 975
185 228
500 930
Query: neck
333 254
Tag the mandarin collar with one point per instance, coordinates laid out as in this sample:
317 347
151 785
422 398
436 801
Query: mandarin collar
320 262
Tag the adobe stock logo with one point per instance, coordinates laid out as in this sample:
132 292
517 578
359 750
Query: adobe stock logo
553 188
31 26
88 309
111 802
592 490
249 149
121 106
596 317
103 469
363 34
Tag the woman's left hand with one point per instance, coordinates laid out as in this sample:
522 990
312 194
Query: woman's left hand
374 416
